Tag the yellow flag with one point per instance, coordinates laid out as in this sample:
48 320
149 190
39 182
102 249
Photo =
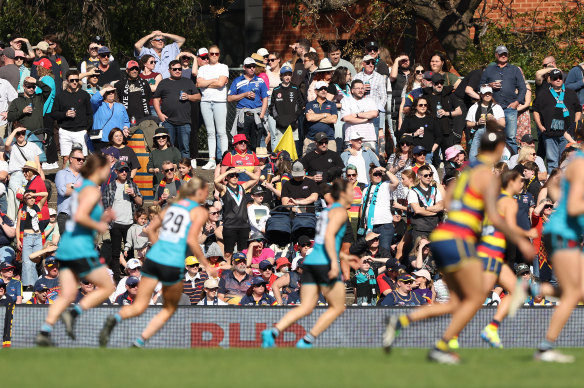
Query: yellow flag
286 143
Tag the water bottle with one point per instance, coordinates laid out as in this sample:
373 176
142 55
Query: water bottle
438 107
133 120
180 95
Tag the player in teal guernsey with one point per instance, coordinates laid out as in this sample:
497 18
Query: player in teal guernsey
564 230
321 271
77 255
175 236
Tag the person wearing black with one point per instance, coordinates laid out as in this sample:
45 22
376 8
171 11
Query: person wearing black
422 126
368 246
134 93
286 104
426 203
74 115
299 190
235 219
467 91
446 106
372 48
321 162
398 78
300 49
109 71
27 108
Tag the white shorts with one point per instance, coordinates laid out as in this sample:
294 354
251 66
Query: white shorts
67 138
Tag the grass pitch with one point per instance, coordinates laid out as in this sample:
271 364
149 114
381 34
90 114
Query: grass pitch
242 368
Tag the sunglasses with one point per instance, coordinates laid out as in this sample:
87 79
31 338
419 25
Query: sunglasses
158 40
407 282
204 57
420 71
267 269
374 239
104 55
78 159
323 142
370 62
229 176
136 68
19 58
504 54
21 133
214 54
110 92
176 68
272 59
169 170
162 138
213 213
306 245
152 62
193 266
351 175
212 289
377 174
438 83
134 286
532 154
374 49
73 80
422 105
29 86
555 78
426 175
250 66
259 285
93 48
124 171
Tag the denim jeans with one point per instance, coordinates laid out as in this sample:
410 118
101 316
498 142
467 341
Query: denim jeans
215 118
385 232
511 127
553 149
179 136
474 145
31 242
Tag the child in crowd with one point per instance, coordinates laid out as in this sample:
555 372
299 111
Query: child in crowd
258 213
136 238
52 232
364 284
185 171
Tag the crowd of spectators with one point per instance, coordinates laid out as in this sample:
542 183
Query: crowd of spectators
399 131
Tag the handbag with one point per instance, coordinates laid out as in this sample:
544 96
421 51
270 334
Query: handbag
96 134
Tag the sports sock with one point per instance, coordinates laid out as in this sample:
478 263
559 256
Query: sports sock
46 329
308 338
494 324
76 311
118 317
275 332
442 345
403 322
546 345
140 342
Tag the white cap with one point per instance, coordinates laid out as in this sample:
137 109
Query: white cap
312 50
202 51
355 136
249 61
368 58
52 212
263 52
485 89
134 263
320 84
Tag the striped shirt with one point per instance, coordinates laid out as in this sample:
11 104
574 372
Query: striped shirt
193 287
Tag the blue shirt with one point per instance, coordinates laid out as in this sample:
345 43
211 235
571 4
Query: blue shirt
395 299
512 84
106 118
14 289
168 53
575 81
63 179
319 256
48 106
265 300
243 85
312 128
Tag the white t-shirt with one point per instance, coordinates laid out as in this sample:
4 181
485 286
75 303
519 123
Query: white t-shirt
413 197
17 161
211 72
351 106
498 112
359 162
382 212
258 216
7 94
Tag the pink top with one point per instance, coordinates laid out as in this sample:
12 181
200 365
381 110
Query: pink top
264 76
266 254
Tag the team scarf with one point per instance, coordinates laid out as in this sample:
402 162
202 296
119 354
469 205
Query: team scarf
372 203
126 94
560 100
362 277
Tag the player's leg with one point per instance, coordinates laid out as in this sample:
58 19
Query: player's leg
308 300
68 284
171 295
490 333
147 286
568 269
335 296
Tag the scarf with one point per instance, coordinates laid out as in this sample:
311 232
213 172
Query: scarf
125 95
237 197
34 219
372 202
363 277
560 100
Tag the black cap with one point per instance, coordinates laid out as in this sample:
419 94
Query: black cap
437 77
371 43
257 189
321 136
98 39
527 138
555 73
303 240
161 131
120 165
406 138
521 268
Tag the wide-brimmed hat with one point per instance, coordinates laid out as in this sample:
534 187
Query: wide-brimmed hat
325 65
30 165
259 60
262 152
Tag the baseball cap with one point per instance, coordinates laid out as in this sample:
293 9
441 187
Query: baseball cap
406 138
239 256
256 236
297 169
285 69
451 152
419 150
321 136
249 61
257 189
134 263
121 165
285 155
39 287
256 281
368 58
18 53
112 151
214 250
485 89
211 283
239 138
320 85
50 261
43 62
264 264
6 265
304 239
202 52
405 278
422 273
437 77
371 43
132 64
9 53
370 236
393 264
355 136
42 45
428 75
263 52
132 281
501 49
555 73
103 50
281 262
527 138
521 269
52 212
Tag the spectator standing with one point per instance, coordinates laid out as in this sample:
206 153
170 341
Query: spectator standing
322 162
168 187
258 213
286 105
334 55
212 82
74 114
124 197
127 154
399 77
108 113
375 87
171 104
372 50
134 93
555 110
37 186
439 65
251 94
137 241
91 87
24 70
299 50
426 203
65 182
299 190
108 70
21 152
162 52
359 113
234 283
422 126
91 60
147 64
575 81
376 215
162 151
194 280
7 95
509 90
478 114
54 54
361 158
28 108
310 61
10 72
7 233
211 286
321 116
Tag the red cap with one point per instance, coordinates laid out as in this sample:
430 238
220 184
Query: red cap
44 62
132 64
239 137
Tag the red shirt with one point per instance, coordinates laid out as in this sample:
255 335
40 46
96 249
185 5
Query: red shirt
38 186
247 161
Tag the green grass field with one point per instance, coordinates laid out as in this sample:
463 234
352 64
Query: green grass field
239 368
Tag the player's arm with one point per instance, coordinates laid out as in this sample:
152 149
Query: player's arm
575 205
199 217
281 282
510 209
88 198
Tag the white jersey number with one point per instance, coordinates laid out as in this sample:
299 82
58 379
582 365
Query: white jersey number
175 224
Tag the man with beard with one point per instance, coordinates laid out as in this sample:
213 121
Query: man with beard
235 282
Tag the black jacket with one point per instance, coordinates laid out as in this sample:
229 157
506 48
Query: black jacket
79 100
33 120
286 105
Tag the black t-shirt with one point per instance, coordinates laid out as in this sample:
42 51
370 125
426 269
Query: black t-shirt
472 79
382 68
299 190
545 105
314 162
138 101
349 236
112 74
432 133
4 239
177 110
129 156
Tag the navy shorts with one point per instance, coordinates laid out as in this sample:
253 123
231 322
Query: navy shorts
318 274
491 264
451 254
82 267
557 243
166 274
